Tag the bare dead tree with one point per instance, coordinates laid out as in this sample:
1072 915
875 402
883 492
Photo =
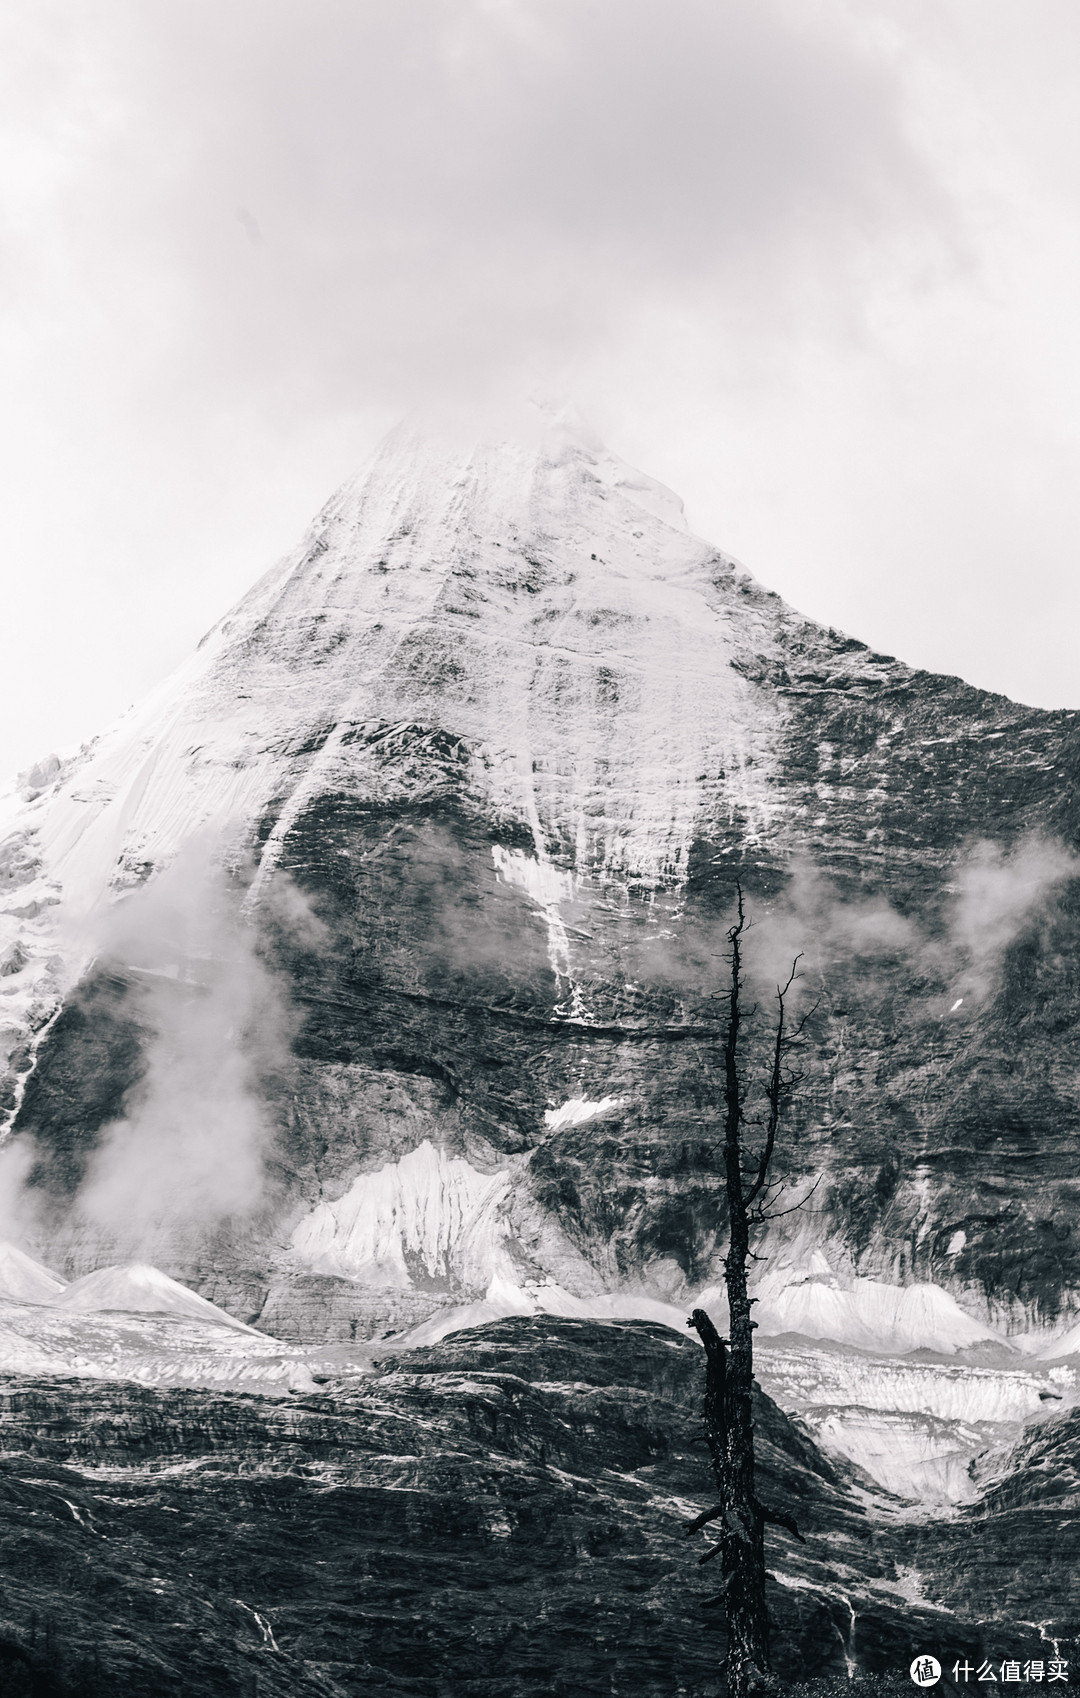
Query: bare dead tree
729 1363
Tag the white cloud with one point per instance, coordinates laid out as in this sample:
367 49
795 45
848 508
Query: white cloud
812 263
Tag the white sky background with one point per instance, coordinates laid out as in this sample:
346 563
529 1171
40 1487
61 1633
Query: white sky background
814 263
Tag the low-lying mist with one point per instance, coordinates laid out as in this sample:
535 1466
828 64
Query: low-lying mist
190 1150
992 897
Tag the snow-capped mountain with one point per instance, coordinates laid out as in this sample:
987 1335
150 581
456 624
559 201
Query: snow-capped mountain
364 975
358 996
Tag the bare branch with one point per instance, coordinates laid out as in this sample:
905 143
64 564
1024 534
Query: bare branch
800 1028
703 1519
778 1214
776 1090
778 1518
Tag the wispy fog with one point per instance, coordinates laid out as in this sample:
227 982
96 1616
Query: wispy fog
993 895
190 1151
998 894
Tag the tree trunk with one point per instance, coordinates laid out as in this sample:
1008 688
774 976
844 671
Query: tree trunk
741 1543
729 1421
744 1553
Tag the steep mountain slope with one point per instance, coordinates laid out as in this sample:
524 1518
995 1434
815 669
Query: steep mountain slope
482 762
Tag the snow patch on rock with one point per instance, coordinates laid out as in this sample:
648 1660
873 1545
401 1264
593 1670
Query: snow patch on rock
578 1110
1052 1349
542 883
547 886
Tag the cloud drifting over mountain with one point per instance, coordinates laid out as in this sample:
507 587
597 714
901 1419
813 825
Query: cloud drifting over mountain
813 262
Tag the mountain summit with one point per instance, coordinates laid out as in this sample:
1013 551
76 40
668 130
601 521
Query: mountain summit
476 769
541 599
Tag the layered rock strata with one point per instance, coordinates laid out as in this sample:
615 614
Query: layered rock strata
500 1514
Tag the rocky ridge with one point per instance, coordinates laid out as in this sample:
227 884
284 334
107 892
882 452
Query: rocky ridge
502 1513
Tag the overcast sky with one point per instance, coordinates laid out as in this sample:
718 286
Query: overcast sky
814 263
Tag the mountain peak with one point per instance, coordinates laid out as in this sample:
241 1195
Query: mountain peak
497 609
529 467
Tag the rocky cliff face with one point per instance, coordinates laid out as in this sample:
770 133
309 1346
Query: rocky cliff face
481 764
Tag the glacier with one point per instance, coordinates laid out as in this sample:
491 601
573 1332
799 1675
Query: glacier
134 1323
428 1217
846 1360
